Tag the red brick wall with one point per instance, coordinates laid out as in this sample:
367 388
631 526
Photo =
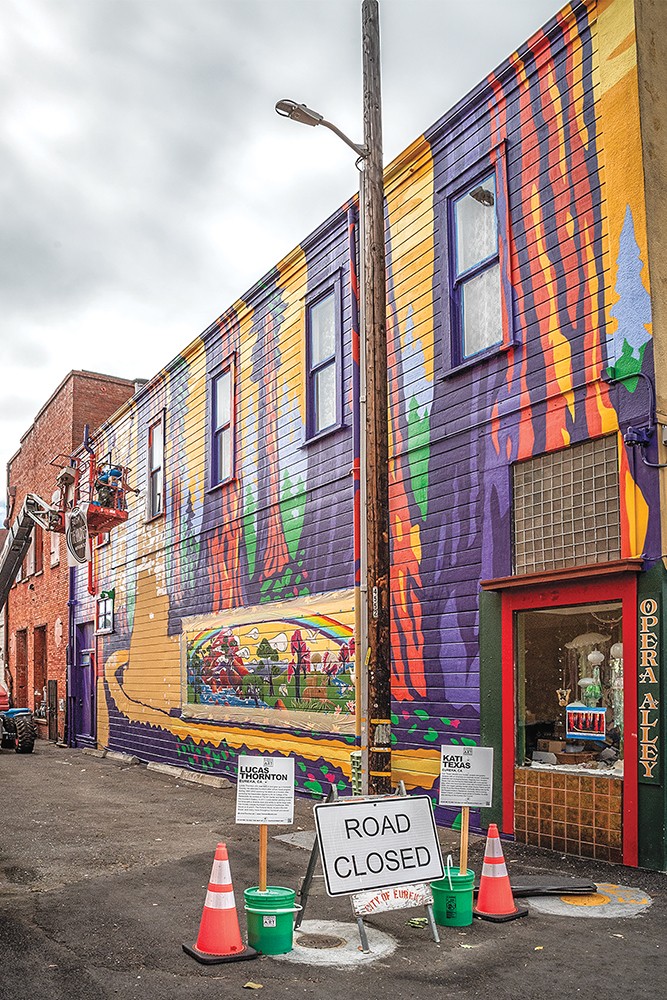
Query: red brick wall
41 598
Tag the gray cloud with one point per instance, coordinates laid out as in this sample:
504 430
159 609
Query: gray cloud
147 181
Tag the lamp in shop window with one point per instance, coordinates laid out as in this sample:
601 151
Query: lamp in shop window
591 689
616 651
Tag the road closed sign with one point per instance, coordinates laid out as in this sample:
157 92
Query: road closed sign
377 843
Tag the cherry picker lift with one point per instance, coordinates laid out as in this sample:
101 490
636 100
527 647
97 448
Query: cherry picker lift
90 499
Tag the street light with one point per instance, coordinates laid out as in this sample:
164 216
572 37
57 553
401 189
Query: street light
306 116
373 656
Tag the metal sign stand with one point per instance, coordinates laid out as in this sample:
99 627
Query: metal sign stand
304 891
421 890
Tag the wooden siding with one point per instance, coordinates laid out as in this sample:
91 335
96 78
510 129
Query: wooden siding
574 260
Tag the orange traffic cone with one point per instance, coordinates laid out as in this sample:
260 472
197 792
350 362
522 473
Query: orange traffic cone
219 938
495 900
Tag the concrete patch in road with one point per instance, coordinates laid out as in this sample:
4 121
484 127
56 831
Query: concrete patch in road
610 900
315 943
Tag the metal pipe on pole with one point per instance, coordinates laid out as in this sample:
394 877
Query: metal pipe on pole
378 613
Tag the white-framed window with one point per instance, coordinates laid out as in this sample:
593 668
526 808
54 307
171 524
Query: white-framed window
156 467
104 612
222 437
55 548
477 268
323 359
29 561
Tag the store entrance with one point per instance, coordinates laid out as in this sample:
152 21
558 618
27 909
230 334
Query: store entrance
569 696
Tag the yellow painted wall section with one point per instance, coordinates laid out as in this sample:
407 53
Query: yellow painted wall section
623 173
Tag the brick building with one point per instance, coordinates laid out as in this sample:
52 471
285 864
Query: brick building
3 535
36 614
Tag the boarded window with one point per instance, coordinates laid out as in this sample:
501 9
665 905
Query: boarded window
567 508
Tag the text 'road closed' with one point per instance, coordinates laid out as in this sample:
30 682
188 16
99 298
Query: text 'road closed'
377 843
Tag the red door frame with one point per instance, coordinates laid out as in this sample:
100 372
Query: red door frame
623 588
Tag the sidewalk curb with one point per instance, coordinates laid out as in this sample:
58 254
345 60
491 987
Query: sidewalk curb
170 769
213 780
122 758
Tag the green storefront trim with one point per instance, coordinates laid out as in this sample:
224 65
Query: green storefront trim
652 800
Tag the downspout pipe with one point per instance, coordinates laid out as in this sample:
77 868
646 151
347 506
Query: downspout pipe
71 653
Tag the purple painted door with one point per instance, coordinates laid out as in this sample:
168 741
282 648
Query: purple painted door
82 693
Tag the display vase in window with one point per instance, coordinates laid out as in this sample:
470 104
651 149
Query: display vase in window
592 692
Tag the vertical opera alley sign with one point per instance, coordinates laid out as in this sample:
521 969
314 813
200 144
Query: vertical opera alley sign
649 689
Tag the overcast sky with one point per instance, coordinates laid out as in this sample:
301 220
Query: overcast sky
146 181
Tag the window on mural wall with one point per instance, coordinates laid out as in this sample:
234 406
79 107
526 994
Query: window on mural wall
323 358
156 467
476 291
222 437
104 616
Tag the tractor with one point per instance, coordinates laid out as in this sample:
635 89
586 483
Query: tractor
17 726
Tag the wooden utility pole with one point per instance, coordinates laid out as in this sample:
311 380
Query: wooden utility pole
377 431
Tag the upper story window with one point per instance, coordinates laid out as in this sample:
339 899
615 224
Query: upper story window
156 467
475 272
222 438
104 612
29 561
38 534
55 548
477 269
323 361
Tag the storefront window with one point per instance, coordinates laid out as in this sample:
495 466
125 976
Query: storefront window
570 687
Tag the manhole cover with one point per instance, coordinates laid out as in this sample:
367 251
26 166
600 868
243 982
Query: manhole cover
320 941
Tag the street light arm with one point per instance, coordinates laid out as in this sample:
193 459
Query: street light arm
361 151
306 116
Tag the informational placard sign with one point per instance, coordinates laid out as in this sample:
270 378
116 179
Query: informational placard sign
466 776
377 843
265 790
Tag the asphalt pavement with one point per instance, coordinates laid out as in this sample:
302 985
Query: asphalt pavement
103 873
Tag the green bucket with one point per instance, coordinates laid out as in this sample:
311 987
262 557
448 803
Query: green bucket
452 905
270 919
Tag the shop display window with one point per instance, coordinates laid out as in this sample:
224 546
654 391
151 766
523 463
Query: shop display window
570 687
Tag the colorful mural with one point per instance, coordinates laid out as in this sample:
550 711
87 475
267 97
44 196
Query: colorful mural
292 668
214 650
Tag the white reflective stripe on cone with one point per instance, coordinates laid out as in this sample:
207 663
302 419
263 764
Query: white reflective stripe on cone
493 848
494 871
220 873
220 900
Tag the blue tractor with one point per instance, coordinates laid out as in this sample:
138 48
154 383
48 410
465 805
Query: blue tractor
17 726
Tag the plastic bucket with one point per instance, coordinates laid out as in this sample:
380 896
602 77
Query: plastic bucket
270 917
452 904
